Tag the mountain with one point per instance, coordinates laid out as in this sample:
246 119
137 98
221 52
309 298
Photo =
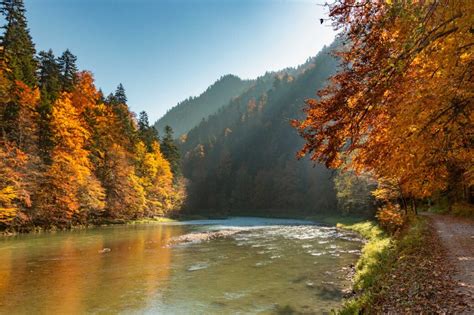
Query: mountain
242 158
191 111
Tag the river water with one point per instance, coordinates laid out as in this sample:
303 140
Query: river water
258 266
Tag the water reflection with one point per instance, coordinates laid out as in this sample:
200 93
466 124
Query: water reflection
69 273
260 268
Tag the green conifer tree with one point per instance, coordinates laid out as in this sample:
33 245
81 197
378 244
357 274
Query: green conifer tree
50 85
171 152
148 134
120 95
68 68
18 48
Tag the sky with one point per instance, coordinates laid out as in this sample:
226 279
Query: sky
164 51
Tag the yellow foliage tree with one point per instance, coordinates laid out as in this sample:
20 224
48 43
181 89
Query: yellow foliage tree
125 194
12 190
156 178
69 188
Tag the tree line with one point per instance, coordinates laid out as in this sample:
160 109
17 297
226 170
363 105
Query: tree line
69 155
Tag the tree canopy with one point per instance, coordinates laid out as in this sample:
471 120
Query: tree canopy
401 106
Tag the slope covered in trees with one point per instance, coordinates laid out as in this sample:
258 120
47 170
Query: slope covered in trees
67 155
242 159
191 111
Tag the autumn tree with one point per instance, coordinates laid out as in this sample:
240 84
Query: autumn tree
155 177
13 195
69 189
19 68
19 167
125 196
401 106
97 163
20 116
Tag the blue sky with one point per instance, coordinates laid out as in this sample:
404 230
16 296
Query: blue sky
166 50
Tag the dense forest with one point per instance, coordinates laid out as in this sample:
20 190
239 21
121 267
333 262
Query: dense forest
242 158
68 155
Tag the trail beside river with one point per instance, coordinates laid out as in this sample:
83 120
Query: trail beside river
457 237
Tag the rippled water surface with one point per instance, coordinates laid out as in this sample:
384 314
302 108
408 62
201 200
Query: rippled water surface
238 265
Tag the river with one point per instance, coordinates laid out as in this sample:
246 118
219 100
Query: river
256 266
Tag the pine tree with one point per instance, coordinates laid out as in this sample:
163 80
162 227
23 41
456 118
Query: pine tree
149 135
110 99
17 56
68 68
120 96
170 151
50 85
19 50
48 75
143 122
126 119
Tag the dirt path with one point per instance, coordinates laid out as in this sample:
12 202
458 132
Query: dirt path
457 237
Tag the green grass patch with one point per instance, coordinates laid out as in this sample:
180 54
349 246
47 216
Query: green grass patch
370 265
380 255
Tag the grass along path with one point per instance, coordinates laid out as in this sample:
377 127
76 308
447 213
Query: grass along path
409 273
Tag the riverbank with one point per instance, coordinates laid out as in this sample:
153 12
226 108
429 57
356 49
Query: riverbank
407 273
92 225
327 219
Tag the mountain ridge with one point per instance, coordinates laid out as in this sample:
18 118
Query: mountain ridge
189 112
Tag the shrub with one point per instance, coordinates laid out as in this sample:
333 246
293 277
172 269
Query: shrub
390 218
463 209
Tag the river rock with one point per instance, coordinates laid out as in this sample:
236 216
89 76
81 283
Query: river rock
201 236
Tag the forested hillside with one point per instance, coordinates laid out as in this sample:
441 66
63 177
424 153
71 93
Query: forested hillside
69 156
242 159
191 111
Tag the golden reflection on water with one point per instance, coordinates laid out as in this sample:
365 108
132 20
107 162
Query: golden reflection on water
5 270
130 269
69 273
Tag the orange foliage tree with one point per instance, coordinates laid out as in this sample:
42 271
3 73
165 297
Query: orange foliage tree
69 187
19 167
67 155
401 106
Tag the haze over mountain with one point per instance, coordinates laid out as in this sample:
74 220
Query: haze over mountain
242 158
188 113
